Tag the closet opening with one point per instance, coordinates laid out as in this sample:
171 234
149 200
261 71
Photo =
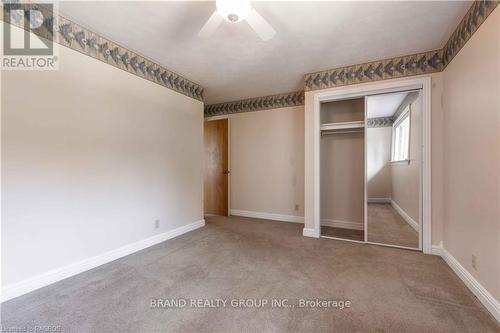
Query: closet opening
342 169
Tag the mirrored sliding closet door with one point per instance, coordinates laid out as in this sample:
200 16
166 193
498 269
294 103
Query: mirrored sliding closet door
393 169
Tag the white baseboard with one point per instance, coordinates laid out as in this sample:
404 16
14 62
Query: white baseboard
405 216
379 200
470 281
309 232
52 276
268 216
343 224
437 250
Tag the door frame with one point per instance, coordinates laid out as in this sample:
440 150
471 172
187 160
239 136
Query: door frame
361 90
228 160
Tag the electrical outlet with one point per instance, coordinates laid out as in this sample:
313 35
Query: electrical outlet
157 224
474 262
296 207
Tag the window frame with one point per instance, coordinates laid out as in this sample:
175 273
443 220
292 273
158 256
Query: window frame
406 114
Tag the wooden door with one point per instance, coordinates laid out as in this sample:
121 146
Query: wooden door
216 167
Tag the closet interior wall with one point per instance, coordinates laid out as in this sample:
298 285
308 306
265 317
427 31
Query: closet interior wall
342 170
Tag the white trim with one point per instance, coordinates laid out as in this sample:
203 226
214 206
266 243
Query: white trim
402 115
343 224
365 172
400 162
310 232
343 125
437 250
268 216
405 216
379 200
425 234
396 85
470 281
58 274
228 164
316 166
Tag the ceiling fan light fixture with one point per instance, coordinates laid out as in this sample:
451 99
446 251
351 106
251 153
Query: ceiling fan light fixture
233 11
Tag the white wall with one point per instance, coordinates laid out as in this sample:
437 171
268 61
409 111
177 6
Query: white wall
406 177
267 161
378 159
471 127
92 156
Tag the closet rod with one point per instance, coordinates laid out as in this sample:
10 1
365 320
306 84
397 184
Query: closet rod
340 132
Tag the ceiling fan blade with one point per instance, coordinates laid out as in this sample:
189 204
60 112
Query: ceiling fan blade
211 25
261 27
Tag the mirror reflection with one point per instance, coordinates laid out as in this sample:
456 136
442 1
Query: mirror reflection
393 156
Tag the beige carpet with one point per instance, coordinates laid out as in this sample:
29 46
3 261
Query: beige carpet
391 290
386 226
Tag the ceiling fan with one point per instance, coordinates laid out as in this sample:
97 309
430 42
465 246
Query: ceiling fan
235 11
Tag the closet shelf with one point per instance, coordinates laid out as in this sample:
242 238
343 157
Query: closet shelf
343 125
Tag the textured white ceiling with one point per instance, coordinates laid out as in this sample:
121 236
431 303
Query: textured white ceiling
311 36
383 105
